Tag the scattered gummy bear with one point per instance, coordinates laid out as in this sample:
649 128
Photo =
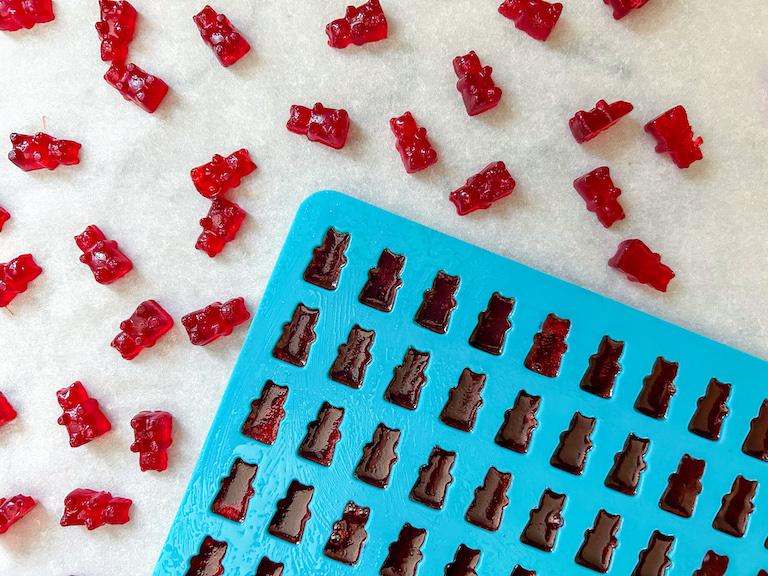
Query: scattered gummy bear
4 217
536 18
483 189
623 7
222 174
637 261
103 256
135 85
585 125
13 509
152 433
7 413
475 84
83 507
219 226
225 40
359 26
15 276
116 27
412 143
673 134
18 14
206 325
601 196
82 416
328 126
142 329
42 151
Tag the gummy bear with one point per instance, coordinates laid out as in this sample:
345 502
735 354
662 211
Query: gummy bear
404 553
483 189
575 443
263 422
4 217
674 134
222 174
460 411
536 18
715 565
324 270
207 562
408 379
464 562
82 416
548 348
225 40
18 14
15 276
269 568
206 325
684 487
219 226
236 491
135 85
655 558
545 522
297 336
628 466
434 478
412 143
519 423
116 27
348 535
142 329
756 442
435 310
490 500
599 542
7 413
585 125
379 457
623 7
13 509
711 409
292 513
475 84
328 126
92 509
42 151
492 325
353 358
601 196
359 26
103 256
322 436
383 282
737 506
152 433
637 261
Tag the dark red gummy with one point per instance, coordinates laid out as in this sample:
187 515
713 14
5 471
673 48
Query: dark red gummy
348 535
756 443
545 522
435 310
712 565
322 435
379 457
628 466
42 151
534 17
520 571
18 14
548 348
408 379
519 423
654 560
135 85
269 568
623 7
736 507
674 134
600 194
292 513
637 261
464 563
142 329
263 423
383 282
152 438
492 183
359 26
82 416
434 478
493 325
353 358
115 29
404 553
477 88
604 366
658 389
575 444
13 509
490 500
327 261
219 226
684 487
460 411
599 542
707 421
298 335
412 143
208 561
235 492
221 174
102 256
15 276
215 320
224 39
585 125
4 217
328 126
83 507
7 413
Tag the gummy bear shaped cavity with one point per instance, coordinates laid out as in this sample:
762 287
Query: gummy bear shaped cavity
18 14
142 329
475 84
673 134
15 276
135 85
219 226
116 27
206 325
483 189
83 507
585 125
359 26
82 416
222 174
623 7
534 17
637 261
42 151
328 126
152 433
412 143
13 509
103 256
225 40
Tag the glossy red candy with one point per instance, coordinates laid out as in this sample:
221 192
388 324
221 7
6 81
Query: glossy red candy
152 433
623 7
204 326
601 195
673 134
15 276
637 261
220 226
135 85
116 27
13 509
475 84
42 151
18 14
92 509
585 125
103 256
534 17
142 329
222 174
4 217
7 413
82 416
359 26
483 189
225 40
328 126
412 143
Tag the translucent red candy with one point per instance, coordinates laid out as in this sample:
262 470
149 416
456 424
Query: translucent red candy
135 85
623 7
204 326
103 256
15 276
42 151
225 40
207 562
152 433
673 134
92 509
18 14
4 217
475 84
412 143
548 348
601 196
82 416
142 329
328 126
637 261
222 174
220 226
534 17
483 189
359 26
7 413
13 509
116 27
585 125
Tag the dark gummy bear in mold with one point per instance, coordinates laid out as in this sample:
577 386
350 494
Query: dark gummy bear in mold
298 335
404 553
493 324
519 423
575 443
548 348
434 478
464 562
736 507
322 435
599 543
435 310
545 521
710 411
756 443
383 282
654 560
460 411
600 377
348 535
490 500
379 457
327 261
353 358
263 423
292 513
712 565
628 465
658 389
405 387
269 568
520 571
207 562
236 490
684 487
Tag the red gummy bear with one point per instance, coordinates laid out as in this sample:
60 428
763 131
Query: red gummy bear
135 85
534 17
103 256
328 126
42 151
586 125
475 84
220 226
359 26
4 217
82 416
222 174
204 326
142 329
152 433
15 276
637 261
623 7
13 509
18 14
601 195
116 27
225 40
483 189
83 507
673 134
7 413
412 143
